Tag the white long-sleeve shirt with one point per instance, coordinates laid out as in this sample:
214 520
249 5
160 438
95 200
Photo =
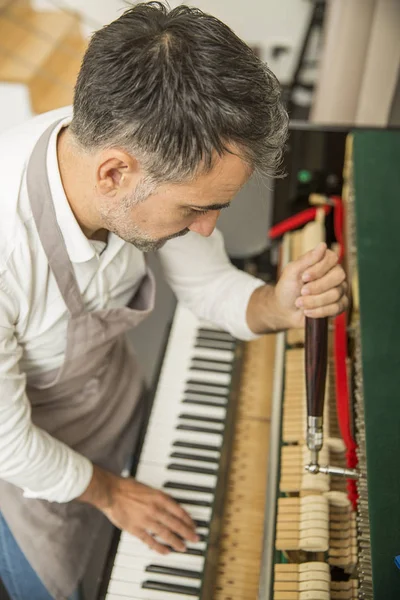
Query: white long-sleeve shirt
33 315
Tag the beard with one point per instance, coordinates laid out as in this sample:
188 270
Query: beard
145 243
120 223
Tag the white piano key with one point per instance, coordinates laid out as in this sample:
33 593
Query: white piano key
210 377
214 412
174 560
178 560
156 476
189 495
119 597
127 554
197 512
211 354
211 366
135 589
198 546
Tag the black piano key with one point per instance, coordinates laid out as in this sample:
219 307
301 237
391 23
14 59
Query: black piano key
203 403
201 524
214 344
189 550
173 588
208 395
182 444
206 389
212 362
194 367
192 502
163 570
191 469
209 368
198 429
199 457
216 335
202 537
200 418
214 387
175 485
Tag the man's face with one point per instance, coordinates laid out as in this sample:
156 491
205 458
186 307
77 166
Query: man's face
172 210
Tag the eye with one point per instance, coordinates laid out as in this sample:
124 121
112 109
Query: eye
195 211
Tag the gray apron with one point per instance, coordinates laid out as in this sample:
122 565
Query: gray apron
91 403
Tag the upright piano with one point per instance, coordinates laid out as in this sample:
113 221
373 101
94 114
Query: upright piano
227 436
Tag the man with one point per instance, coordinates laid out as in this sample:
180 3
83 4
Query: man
172 114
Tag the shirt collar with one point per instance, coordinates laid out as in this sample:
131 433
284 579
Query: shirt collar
78 246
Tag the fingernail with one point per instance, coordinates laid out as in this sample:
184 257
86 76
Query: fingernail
305 291
306 277
308 313
299 303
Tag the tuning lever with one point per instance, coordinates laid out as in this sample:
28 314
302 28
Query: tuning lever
316 358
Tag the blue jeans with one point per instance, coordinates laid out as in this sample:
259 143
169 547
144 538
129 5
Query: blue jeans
17 575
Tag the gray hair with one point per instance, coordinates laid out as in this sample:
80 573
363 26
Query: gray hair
175 87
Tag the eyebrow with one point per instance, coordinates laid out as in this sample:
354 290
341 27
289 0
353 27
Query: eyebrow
211 206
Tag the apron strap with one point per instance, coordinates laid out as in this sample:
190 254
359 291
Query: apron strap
46 222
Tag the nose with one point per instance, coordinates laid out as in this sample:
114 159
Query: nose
205 224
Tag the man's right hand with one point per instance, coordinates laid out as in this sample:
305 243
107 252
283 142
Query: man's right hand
140 510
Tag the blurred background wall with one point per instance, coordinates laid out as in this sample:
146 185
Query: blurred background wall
262 23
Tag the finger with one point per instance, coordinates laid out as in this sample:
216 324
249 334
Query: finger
167 504
334 278
320 268
330 297
167 536
309 259
332 310
148 539
178 526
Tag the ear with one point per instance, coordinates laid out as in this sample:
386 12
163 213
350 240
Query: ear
117 172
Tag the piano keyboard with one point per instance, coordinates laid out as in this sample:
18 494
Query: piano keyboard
180 456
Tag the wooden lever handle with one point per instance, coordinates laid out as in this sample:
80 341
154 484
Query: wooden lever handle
316 354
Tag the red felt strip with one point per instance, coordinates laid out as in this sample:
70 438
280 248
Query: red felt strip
296 221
